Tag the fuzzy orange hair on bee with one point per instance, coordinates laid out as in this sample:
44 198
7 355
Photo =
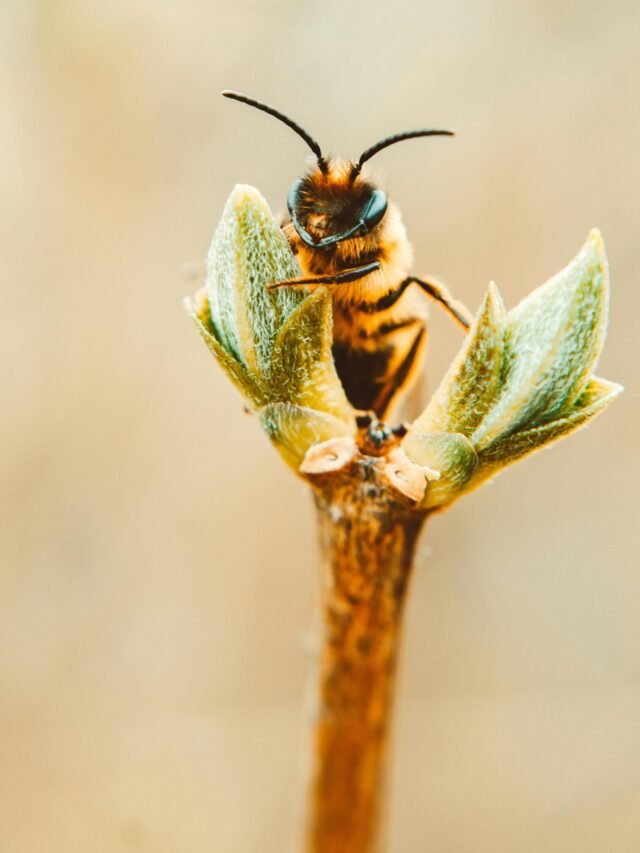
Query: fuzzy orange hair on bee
348 236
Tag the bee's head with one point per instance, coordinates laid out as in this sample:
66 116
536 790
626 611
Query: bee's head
333 202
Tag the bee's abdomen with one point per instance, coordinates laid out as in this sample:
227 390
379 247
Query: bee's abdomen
368 322
362 372
374 368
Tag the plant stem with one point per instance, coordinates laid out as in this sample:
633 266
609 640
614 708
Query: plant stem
367 540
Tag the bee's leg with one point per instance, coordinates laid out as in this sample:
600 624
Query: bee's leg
339 278
439 292
403 374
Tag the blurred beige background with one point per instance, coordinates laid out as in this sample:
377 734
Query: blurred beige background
157 560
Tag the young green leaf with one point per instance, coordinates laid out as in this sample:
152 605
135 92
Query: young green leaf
249 386
594 399
294 429
451 454
249 252
302 368
471 384
552 342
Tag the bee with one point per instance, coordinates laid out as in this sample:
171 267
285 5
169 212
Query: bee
349 236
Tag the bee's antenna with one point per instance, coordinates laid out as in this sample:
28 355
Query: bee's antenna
313 145
391 140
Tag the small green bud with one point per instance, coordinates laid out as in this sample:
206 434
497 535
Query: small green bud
552 341
473 381
294 429
302 369
275 345
250 385
520 381
451 455
593 400
247 253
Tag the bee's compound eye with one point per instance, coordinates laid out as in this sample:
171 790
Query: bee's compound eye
376 209
294 196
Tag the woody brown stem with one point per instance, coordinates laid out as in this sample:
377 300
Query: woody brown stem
368 539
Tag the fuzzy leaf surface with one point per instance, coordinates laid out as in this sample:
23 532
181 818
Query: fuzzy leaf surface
594 399
294 429
249 386
552 342
471 384
248 252
449 453
302 367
